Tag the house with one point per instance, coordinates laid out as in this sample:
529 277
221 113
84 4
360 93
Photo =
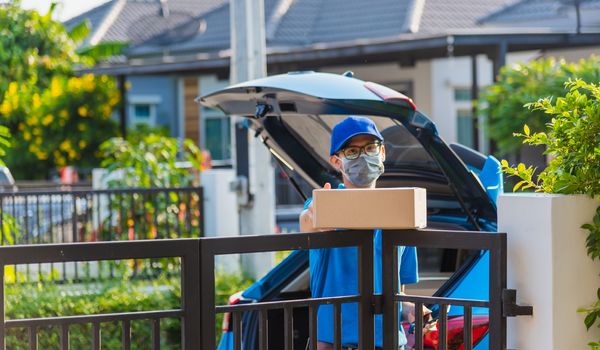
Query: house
438 52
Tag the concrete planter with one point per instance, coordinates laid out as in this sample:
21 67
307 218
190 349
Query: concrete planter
549 268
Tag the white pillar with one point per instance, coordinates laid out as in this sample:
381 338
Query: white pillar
549 267
248 61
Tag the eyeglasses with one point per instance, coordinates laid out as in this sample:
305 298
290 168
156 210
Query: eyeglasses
353 152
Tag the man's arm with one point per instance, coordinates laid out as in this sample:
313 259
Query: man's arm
306 217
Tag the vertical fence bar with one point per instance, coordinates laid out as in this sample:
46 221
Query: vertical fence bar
263 330
288 326
337 326
497 284
312 326
468 328
2 233
201 211
27 232
96 336
51 229
188 213
389 263
237 331
366 315
443 327
126 334
156 334
64 337
207 294
2 328
33 338
419 325
192 331
74 218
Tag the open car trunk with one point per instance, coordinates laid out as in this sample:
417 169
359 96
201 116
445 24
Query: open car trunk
294 114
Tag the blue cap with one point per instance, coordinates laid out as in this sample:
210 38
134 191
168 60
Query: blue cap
350 127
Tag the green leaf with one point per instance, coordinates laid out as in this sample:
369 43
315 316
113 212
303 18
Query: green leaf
526 129
504 163
518 185
80 31
590 319
103 50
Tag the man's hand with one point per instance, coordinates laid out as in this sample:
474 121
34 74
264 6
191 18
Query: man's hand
306 217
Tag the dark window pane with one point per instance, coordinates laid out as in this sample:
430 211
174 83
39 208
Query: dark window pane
462 95
464 127
142 111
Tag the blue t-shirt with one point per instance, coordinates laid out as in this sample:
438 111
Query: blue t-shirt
333 272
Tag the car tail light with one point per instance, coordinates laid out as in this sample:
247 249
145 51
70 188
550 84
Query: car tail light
234 299
455 333
387 94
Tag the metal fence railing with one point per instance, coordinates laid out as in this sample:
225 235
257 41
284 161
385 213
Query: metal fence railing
70 216
102 215
198 309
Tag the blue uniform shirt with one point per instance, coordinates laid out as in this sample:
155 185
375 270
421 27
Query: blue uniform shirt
333 272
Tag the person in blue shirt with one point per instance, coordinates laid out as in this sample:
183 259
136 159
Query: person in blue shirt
358 153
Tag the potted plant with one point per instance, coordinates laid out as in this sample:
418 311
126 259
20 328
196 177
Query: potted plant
554 232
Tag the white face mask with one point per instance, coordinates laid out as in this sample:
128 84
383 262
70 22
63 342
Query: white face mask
362 171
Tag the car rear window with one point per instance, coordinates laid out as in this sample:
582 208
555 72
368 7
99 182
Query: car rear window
403 150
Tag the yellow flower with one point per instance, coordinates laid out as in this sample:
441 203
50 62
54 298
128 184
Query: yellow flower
32 148
65 145
88 83
38 141
82 144
47 119
83 111
42 155
12 88
36 131
36 101
64 114
5 108
21 126
81 127
26 136
55 88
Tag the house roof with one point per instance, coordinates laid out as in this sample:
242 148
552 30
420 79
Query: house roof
134 21
533 10
294 23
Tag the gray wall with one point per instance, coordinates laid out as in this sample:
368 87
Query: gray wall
167 113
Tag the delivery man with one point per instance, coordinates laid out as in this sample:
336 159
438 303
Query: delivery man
358 153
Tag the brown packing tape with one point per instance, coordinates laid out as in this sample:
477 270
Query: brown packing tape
385 208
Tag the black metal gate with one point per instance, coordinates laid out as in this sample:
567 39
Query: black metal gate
198 309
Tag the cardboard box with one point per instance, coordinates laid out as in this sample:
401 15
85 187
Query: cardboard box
384 208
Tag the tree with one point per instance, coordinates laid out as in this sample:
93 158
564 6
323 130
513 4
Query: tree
56 117
523 83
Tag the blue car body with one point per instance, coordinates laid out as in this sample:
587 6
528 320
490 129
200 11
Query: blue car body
294 113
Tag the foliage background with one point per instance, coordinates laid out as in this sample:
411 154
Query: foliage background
56 117
521 84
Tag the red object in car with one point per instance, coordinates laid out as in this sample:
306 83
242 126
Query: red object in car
233 299
455 328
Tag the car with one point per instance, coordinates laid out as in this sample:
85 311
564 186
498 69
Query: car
7 182
294 114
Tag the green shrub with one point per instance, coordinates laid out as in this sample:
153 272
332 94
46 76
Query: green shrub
48 299
572 141
520 84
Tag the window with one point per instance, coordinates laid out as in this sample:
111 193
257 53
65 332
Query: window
463 95
217 135
464 127
142 109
